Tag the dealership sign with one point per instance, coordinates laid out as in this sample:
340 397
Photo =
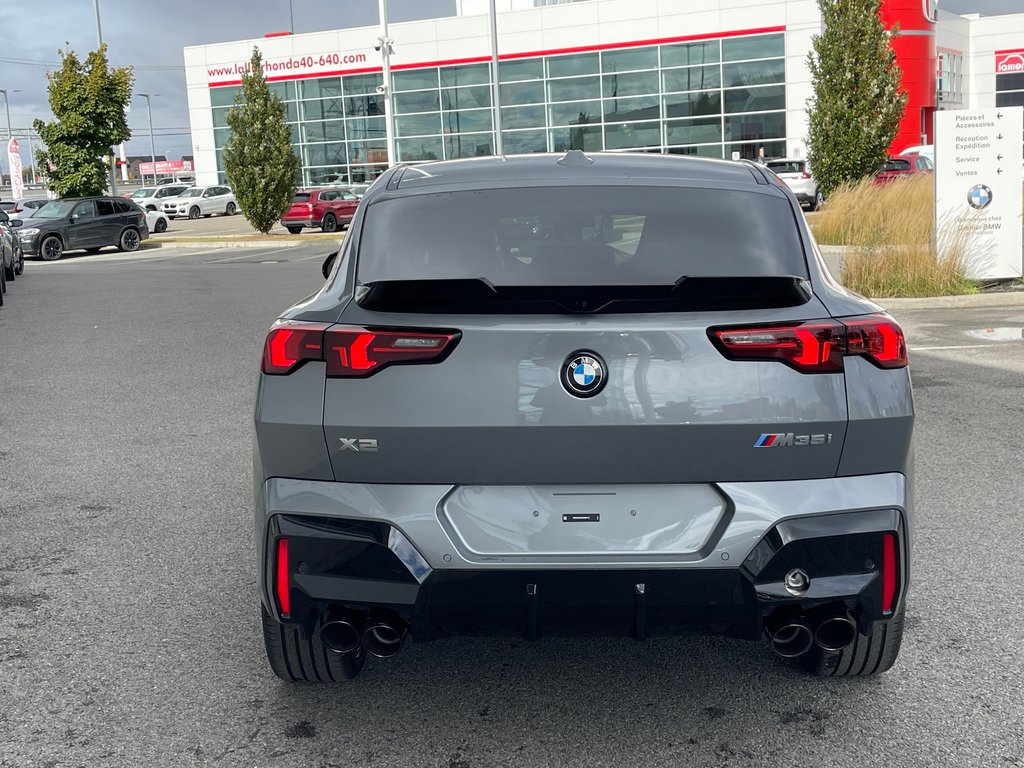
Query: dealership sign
1010 61
166 166
14 168
978 188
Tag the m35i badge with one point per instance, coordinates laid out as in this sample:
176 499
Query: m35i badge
583 374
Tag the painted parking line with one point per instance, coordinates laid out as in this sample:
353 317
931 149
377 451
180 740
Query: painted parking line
961 346
252 255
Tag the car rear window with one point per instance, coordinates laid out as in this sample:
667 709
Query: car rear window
896 165
300 197
786 166
597 235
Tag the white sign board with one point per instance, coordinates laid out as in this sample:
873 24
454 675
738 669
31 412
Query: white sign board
978 178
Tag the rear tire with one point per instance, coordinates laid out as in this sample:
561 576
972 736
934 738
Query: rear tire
20 269
296 657
868 655
329 224
295 230
9 272
160 227
230 210
819 200
129 241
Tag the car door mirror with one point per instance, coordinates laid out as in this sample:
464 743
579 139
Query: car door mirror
16 222
329 264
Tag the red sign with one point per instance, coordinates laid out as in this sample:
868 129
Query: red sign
1010 61
166 166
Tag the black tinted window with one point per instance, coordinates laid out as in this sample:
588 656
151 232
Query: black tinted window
896 165
300 197
85 210
786 166
580 236
104 207
123 206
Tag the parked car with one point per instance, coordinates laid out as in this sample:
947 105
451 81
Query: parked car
153 198
26 209
903 167
88 223
156 221
12 258
201 201
359 190
928 150
525 429
327 209
187 181
796 174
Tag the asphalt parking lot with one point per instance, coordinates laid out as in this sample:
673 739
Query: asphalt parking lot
129 629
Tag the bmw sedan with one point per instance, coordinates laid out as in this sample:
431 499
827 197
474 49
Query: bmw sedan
545 394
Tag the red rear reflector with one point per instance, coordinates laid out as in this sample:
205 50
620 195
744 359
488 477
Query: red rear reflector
888 572
817 346
879 338
361 352
289 344
284 596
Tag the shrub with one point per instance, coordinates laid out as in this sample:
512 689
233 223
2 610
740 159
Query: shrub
892 230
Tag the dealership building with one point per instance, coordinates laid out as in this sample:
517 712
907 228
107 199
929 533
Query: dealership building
715 78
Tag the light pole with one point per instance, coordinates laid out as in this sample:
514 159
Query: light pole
10 133
113 160
384 46
499 148
152 144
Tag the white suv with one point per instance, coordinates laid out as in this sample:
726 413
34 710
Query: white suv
153 198
201 201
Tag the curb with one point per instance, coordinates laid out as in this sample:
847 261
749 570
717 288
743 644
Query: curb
977 300
233 243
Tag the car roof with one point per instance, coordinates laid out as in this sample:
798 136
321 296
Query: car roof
577 167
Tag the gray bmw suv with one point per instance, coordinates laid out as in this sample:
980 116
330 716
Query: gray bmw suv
548 393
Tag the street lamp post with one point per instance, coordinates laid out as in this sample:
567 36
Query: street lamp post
152 143
384 43
113 160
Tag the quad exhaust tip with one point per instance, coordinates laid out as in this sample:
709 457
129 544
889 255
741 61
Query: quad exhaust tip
340 636
791 638
383 639
835 633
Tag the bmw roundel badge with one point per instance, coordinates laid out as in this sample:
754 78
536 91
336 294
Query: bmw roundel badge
583 374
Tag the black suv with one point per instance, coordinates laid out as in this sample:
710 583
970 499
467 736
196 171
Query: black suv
87 223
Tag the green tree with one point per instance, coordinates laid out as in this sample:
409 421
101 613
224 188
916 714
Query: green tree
258 158
858 101
88 100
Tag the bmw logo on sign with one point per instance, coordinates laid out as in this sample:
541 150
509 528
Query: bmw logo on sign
979 196
583 374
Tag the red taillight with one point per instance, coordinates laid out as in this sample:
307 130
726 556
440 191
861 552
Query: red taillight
350 351
879 338
361 352
817 346
289 344
284 596
888 572
804 175
813 347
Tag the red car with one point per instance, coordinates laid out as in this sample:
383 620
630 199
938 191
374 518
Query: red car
326 208
902 167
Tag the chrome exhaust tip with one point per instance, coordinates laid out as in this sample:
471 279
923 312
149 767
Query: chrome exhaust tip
836 633
383 639
340 636
791 638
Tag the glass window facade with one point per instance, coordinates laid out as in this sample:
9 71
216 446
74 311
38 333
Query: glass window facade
709 98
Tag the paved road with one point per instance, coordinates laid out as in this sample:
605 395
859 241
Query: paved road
129 633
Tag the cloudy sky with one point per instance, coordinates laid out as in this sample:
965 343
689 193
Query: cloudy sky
150 36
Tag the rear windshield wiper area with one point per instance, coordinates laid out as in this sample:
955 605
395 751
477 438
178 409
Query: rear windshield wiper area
480 296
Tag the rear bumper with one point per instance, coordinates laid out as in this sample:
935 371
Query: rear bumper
299 223
365 563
